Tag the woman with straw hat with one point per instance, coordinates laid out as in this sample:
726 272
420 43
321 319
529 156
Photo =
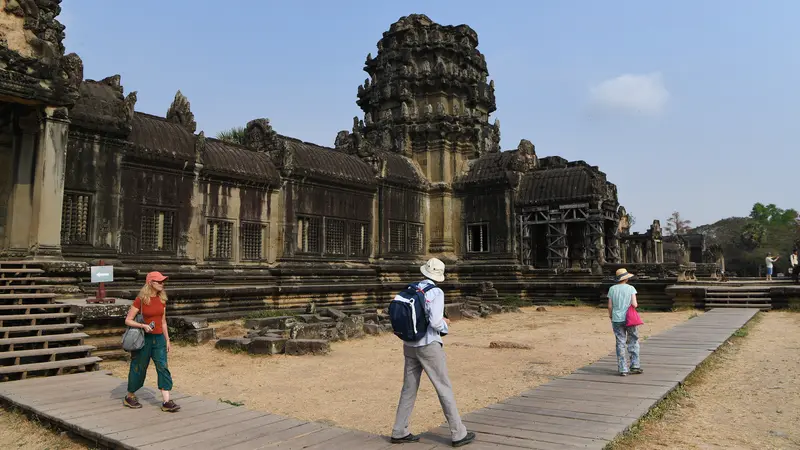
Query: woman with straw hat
622 296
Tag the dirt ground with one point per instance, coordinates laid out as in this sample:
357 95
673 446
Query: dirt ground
357 386
749 399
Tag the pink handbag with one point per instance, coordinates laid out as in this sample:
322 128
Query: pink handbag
632 318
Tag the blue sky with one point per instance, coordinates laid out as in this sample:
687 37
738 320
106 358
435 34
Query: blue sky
691 106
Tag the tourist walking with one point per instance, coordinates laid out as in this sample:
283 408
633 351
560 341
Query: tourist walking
427 354
151 301
622 296
770 261
795 266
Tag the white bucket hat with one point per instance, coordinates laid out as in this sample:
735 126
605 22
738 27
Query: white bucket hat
433 269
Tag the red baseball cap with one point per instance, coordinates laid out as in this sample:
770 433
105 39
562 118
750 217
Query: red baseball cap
155 276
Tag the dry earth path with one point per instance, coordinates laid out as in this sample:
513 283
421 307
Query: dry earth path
747 398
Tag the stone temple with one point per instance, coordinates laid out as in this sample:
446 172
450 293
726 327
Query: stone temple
278 222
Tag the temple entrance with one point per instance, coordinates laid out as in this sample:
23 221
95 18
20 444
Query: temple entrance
6 171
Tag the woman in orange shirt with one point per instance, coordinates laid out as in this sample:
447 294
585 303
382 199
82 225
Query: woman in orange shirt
152 300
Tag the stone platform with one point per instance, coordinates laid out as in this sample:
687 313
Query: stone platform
586 409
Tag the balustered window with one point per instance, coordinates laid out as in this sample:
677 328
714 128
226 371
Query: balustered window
308 234
157 230
478 238
219 237
253 236
397 237
359 238
334 236
406 237
75 213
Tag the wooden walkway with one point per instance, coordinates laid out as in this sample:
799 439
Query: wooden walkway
586 409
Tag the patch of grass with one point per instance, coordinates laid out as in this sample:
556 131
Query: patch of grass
513 301
684 389
263 314
574 302
231 402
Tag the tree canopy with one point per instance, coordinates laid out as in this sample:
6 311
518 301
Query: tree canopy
745 241
677 225
234 135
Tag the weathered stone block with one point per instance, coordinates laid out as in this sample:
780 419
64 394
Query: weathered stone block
187 322
388 327
298 347
233 344
309 318
267 346
309 331
351 327
334 313
453 310
372 329
199 336
496 307
280 322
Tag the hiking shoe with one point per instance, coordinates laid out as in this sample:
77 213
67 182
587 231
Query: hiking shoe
636 370
407 438
131 402
467 439
170 406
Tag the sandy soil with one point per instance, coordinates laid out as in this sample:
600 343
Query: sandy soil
357 386
749 400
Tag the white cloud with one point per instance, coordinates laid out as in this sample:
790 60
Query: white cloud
637 94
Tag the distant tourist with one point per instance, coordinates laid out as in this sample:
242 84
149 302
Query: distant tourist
152 301
795 266
426 353
770 261
622 296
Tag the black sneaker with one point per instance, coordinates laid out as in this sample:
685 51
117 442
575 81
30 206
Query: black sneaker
131 402
466 440
406 439
170 406
636 370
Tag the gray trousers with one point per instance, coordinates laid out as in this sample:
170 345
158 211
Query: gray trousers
431 359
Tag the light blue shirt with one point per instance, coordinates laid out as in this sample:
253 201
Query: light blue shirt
434 308
621 296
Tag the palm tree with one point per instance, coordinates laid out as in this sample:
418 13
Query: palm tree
234 135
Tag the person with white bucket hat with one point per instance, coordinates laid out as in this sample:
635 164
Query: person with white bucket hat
427 354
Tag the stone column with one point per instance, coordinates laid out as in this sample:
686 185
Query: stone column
48 185
20 213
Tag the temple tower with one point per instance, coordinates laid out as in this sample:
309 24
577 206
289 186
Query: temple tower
427 97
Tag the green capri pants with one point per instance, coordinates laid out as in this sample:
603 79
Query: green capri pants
155 347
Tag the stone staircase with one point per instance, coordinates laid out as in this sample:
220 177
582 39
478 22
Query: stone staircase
739 296
38 337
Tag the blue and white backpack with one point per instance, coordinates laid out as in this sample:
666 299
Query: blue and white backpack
407 312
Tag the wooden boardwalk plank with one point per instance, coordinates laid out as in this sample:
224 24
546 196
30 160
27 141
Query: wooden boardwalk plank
585 409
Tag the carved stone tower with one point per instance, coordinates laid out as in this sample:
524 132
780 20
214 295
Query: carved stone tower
427 98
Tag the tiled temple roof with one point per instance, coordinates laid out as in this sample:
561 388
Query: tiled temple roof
161 138
490 168
402 170
327 164
226 159
562 184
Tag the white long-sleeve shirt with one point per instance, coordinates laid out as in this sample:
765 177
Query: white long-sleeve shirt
434 307
793 259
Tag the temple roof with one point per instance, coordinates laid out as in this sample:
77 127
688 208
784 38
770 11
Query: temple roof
490 168
576 182
327 163
226 159
162 138
402 170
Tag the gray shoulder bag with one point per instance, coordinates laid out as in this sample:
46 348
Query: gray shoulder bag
133 338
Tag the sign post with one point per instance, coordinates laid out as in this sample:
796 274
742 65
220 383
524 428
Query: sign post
102 274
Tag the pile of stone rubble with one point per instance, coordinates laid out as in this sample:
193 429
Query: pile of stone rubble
312 332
